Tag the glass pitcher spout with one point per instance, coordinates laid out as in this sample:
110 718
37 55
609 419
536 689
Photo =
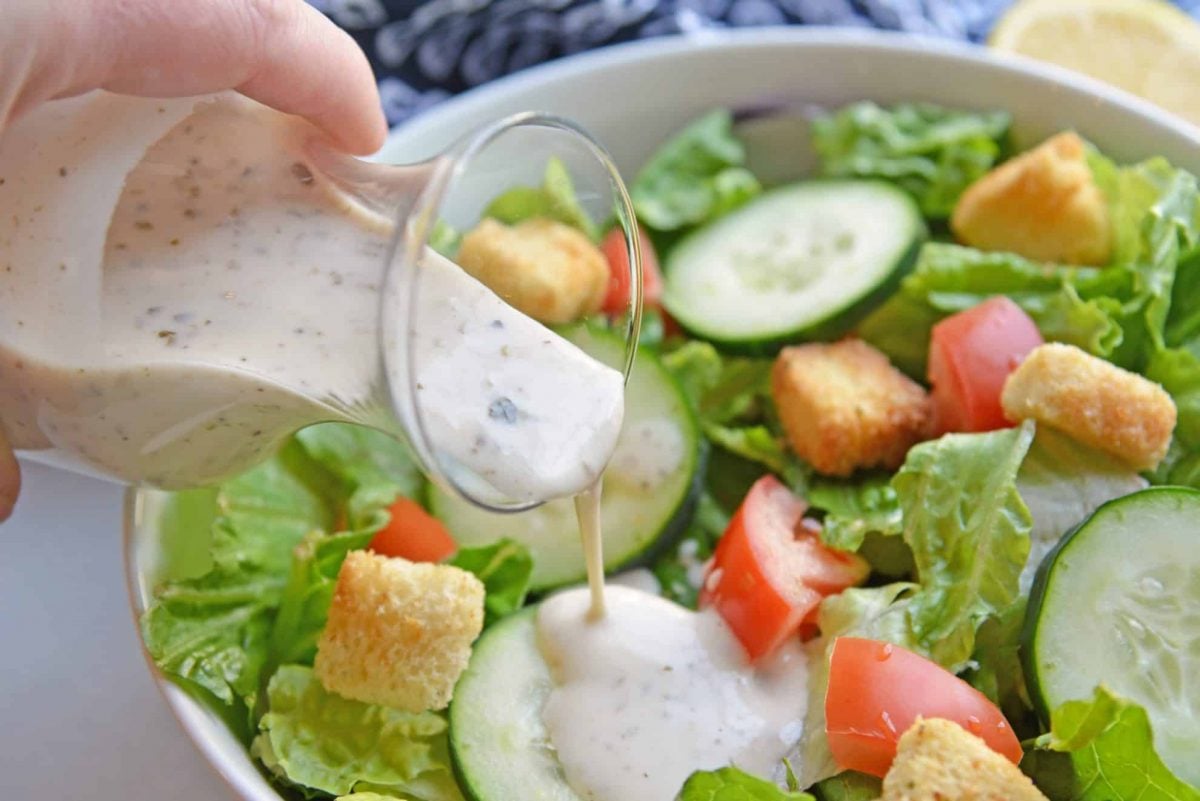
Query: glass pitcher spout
199 279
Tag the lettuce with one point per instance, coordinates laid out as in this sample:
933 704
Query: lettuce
731 784
696 176
1110 756
1068 304
323 743
856 508
273 563
213 632
969 533
849 785
931 152
504 567
371 468
968 529
754 443
1178 370
555 199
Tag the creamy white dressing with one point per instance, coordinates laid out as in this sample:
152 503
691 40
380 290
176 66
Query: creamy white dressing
652 692
587 510
237 299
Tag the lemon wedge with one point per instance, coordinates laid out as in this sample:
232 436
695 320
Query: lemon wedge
1147 47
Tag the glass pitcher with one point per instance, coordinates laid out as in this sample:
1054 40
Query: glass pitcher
185 283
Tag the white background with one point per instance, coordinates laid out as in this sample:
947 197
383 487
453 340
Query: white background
80 717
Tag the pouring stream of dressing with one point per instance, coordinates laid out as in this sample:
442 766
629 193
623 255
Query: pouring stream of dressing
587 510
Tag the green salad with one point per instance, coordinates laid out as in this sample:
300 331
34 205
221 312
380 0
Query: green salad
930 418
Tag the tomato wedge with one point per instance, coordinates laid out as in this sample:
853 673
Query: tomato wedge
970 355
769 571
413 534
878 690
617 298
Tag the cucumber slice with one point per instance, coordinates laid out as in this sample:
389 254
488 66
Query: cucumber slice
498 744
803 262
1118 602
649 487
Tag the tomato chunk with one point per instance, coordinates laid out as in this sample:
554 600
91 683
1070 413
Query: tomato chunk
617 298
413 534
769 571
878 690
970 355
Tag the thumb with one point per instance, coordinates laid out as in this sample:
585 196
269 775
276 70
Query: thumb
10 477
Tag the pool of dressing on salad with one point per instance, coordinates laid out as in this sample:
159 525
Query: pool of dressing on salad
238 299
647 691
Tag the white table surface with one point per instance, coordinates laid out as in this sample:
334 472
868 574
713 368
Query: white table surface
80 717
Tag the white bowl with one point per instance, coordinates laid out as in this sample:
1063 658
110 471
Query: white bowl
632 97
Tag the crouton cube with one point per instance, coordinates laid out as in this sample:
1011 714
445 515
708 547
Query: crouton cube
1093 401
938 760
399 632
844 406
548 270
1043 204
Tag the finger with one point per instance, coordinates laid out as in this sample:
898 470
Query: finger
10 478
308 66
282 53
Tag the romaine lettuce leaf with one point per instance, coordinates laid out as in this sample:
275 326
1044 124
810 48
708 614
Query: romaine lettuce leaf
303 606
372 468
996 669
504 567
1069 304
696 176
755 443
969 533
1111 755
274 561
731 784
555 199
931 152
855 508
849 785
723 389
1156 224
323 743
1178 370
214 631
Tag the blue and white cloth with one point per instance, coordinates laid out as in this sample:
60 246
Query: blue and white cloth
424 51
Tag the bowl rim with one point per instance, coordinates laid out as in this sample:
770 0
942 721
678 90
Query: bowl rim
878 41
193 719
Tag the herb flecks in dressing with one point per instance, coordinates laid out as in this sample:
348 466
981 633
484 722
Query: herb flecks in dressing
237 299
652 692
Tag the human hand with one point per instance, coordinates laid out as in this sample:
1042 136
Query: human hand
282 53
10 478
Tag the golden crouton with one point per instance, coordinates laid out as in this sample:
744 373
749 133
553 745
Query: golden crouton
1093 401
938 760
844 406
1043 204
548 270
399 632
